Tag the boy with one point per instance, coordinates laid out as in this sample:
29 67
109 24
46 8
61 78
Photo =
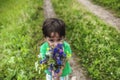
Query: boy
54 33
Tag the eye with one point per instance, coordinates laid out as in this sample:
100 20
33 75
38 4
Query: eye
51 40
59 39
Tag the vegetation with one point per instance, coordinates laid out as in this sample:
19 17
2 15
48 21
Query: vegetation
113 5
97 44
19 33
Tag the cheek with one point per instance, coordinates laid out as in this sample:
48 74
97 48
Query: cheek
52 44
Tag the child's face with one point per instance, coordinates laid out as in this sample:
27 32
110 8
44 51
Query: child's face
54 39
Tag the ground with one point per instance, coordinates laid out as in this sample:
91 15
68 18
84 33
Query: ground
102 13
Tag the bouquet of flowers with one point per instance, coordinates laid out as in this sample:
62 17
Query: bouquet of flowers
55 59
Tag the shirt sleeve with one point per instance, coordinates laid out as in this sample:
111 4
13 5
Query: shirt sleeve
42 51
67 49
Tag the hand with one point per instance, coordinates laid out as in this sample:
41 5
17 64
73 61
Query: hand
59 74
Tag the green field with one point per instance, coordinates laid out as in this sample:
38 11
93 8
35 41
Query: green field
20 31
97 44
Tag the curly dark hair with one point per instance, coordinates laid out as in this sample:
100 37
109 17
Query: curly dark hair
53 25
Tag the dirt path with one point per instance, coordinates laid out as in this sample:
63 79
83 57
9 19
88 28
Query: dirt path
78 73
48 9
102 13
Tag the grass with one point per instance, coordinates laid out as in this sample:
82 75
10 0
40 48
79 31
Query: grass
95 42
10 11
20 33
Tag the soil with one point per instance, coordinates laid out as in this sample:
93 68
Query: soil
48 9
102 13
78 72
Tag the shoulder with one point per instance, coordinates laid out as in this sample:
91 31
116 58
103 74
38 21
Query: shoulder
45 44
67 49
66 44
43 47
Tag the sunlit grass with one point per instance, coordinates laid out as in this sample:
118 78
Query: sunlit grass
95 42
20 30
